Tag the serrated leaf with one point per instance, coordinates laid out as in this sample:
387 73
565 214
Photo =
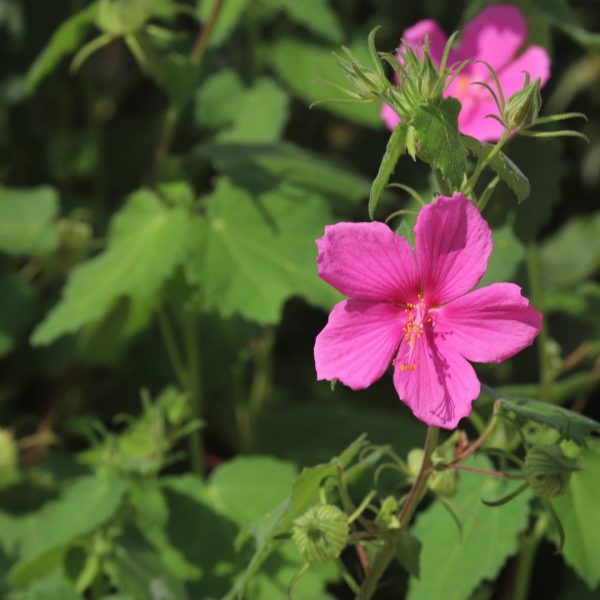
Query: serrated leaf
146 243
266 165
315 15
85 505
298 63
438 138
451 568
395 148
65 40
261 116
252 253
229 17
580 518
26 217
503 166
571 425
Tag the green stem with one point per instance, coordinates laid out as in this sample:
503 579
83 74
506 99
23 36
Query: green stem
192 347
535 284
263 373
171 346
481 165
527 551
387 553
442 184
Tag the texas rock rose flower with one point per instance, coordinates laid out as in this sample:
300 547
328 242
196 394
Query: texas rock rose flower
416 310
495 35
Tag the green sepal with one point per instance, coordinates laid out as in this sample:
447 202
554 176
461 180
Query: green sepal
395 148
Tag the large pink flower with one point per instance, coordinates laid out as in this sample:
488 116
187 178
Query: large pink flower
419 309
495 35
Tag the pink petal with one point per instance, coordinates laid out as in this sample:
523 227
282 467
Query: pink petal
490 324
389 116
534 60
359 341
436 382
368 261
473 119
494 35
415 38
453 245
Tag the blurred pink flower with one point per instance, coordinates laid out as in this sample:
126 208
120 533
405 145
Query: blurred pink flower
419 309
495 35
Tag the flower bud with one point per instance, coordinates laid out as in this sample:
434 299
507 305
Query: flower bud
523 107
387 516
321 533
9 459
548 470
365 83
121 17
444 483
429 79
414 460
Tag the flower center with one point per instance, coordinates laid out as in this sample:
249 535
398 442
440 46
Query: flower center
418 319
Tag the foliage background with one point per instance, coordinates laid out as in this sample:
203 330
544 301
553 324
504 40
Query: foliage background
221 255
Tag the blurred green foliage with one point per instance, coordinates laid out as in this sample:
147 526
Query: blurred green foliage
162 185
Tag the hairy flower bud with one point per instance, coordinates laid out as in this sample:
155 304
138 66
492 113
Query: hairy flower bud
548 470
523 107
321 533
121 17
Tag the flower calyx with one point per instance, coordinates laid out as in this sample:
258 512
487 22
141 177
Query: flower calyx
321 533
548 470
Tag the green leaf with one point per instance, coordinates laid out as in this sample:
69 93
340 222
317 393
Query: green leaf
580 518
54 588
245 488
507 254
305 493
502 166
229 17
573 253
451 568
440 144
17 311
26 218
146 242
85 505
261 116
298 63
252 253
135 568
408 553
179 76
266 165
395 148
571 425
315 15
65 40
219 100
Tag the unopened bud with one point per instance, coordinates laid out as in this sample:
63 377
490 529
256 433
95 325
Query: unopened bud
445 482
429 80
523 107
414 460
548 470
9 458
321 533
387 516
121 17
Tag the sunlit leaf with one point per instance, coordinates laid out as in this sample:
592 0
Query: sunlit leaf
315 15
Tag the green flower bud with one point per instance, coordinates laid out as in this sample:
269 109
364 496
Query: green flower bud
429 80
444 483
387 516
548 470
321 533
523 107
121 17
414 460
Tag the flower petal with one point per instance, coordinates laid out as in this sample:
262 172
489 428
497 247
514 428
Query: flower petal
359 341
534 60
368 261
436 382
389 116
494 35
453 245
490 324
415 38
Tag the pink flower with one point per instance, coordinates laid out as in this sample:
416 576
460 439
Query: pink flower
495 35
419 309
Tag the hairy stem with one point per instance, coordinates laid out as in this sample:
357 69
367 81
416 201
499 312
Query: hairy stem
386 554
481 165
